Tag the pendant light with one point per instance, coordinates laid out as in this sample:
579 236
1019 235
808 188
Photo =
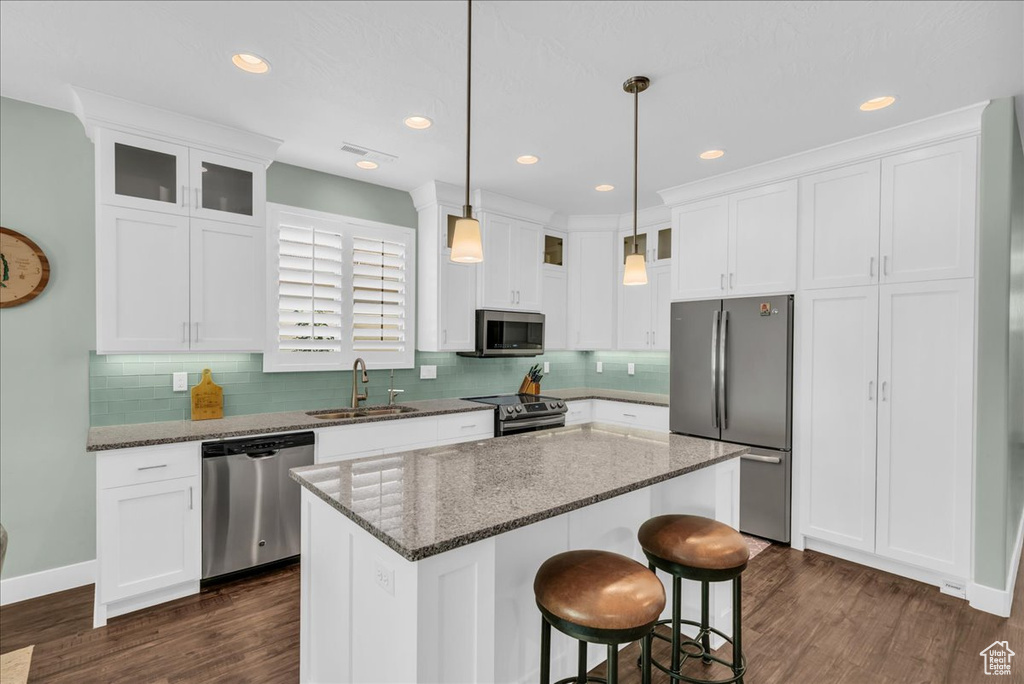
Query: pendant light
466 245
636 268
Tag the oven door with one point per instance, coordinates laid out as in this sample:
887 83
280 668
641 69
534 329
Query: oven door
509 333
521 425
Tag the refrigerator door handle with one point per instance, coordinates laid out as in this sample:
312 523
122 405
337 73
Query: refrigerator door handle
774 460
723 411
714 369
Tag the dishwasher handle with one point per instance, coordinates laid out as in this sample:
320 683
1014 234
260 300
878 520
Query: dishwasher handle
259 455
258 445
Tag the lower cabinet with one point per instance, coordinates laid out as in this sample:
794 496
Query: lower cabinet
640 416
348 442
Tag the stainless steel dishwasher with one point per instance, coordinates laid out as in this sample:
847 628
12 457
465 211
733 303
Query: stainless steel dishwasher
251 508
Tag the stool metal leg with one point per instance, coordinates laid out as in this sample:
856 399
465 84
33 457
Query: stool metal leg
677 587
705 620
545 652
737 623
581 675
612 676
645 660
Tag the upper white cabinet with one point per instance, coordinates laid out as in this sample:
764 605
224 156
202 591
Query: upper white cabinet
227 188
555 291
926 423
839 224
928 205
740 244
762 240
592 257
510 275
645 311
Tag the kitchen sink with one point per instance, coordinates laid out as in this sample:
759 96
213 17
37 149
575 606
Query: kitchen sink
342 414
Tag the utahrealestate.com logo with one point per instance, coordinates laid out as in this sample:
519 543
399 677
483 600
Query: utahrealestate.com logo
998 658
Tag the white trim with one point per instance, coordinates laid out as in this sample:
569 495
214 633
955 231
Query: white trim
98 110
437 192
104 611
878 563
999 601
24 587
495 203
592 222
959 123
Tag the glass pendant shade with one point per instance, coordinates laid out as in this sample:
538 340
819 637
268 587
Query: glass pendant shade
466 245
636 270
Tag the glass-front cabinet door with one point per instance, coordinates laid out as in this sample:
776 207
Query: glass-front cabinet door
142 173
653 242
226 188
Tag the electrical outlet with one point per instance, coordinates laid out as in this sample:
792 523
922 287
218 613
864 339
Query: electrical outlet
631 368
547 366
600 366
384 576
180 382
428 372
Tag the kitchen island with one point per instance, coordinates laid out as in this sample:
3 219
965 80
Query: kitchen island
418 566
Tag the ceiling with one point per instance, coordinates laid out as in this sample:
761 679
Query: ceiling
759 79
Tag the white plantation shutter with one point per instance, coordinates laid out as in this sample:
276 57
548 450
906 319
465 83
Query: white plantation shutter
339 288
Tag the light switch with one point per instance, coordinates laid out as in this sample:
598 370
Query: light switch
180 382
600 366
428 372
631 368
547 366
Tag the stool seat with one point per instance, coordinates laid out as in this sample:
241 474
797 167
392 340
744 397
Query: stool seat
599 590
694 542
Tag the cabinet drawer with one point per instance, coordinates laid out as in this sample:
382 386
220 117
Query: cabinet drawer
465 426
633 415
387 435
579 412
146 464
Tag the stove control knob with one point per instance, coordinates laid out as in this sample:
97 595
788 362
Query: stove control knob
561 404
519 408
508 409
551 405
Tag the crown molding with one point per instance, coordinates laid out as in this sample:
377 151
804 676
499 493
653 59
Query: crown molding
437 192
97 110
959 123
592 222
494 203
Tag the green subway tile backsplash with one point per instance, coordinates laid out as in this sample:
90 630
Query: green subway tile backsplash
132 388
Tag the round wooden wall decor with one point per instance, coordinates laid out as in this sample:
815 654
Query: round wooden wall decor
24 269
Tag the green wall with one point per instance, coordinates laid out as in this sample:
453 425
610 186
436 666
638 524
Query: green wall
999 473
47 497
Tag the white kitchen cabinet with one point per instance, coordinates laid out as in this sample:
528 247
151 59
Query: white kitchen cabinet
645 310
142 281
151 537
225 188
928 206
138 172
227 286
839 338
579 412
700 243
660 280
925 424
640 416
554 300
592 290
348 442
510 275
445 290
653 241
839 227
762 240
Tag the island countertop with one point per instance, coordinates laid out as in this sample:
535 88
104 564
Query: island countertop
425 502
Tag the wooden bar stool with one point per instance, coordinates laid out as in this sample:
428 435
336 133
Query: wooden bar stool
597 597
704 550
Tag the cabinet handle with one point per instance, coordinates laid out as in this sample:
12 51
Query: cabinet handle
654 337
885 265
871 390
647 338
162 465
732 280
629 415
184 196
446 336
517 296
190 497
197 198
511 296
871 267
721 281
197 331
885 393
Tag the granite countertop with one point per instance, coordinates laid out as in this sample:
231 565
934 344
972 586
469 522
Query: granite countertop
584 393
422 503
149 434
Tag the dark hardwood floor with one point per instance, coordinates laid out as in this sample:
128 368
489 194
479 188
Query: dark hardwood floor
807 618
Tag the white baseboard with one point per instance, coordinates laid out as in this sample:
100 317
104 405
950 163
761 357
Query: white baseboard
879 563
1000 601
24 587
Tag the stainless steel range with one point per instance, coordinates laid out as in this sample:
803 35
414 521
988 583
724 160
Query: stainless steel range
515 413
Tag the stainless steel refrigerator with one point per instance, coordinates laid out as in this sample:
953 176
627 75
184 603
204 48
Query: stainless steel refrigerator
732 379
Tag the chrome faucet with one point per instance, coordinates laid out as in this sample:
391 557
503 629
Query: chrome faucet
392 392
356 396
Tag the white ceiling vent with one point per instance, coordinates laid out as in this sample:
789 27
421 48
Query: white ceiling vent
367 153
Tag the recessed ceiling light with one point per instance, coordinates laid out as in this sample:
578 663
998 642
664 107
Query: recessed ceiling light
528 159
604 188
877 103
418 122
366 164
254 64
712 154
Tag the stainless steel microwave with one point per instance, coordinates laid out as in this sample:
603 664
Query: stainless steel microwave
508 333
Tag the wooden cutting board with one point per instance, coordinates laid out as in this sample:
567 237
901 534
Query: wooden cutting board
207 399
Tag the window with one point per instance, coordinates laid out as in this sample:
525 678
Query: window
340 288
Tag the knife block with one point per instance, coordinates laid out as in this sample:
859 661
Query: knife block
529 387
